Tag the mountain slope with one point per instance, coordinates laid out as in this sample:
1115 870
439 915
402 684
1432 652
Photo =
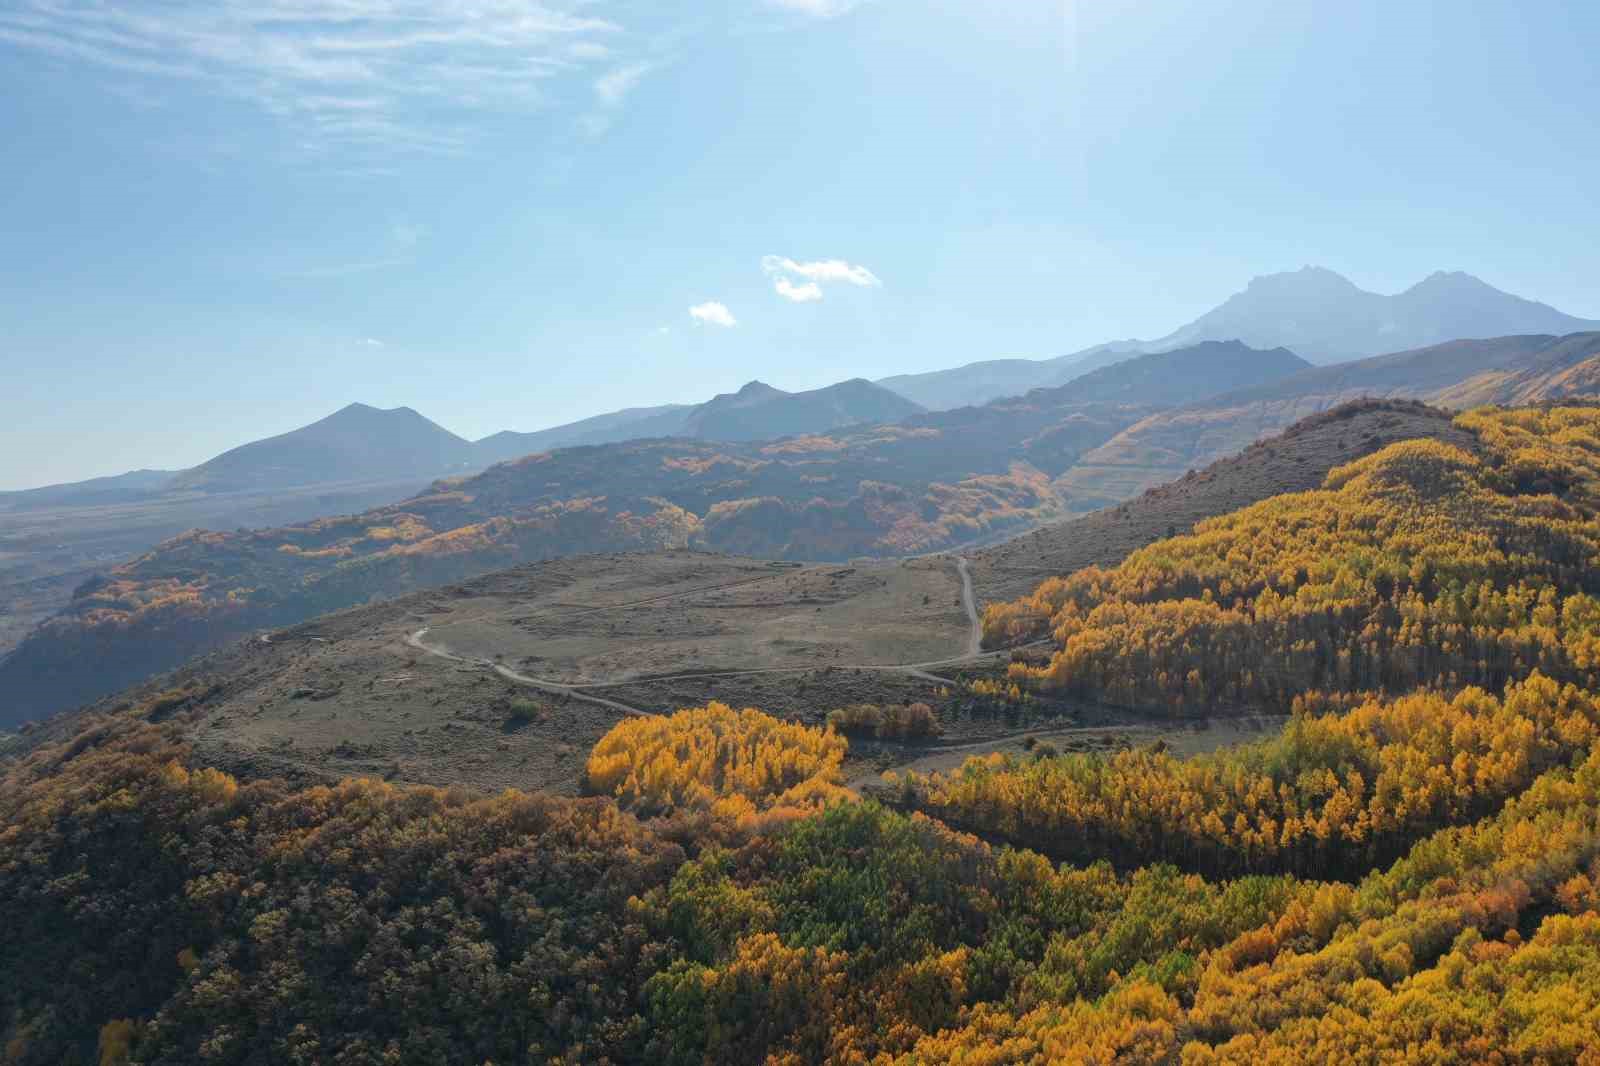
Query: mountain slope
120 488
627 424
1573 371
356 443
1313 311
1292 461
979 383
760 412
1178 376
1166 444
756 412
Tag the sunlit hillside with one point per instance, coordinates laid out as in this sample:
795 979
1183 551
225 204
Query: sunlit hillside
1406 872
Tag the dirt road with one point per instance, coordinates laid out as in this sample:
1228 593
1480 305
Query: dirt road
921 670
552 687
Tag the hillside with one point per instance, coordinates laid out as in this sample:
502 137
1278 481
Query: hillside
1169 443
1297 459
121 488
755 412
601 429
991 379
1177 377
1574 372
933 482
760 412
355 443
1404 870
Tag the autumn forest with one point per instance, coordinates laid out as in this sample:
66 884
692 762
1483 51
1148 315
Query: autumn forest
1407 872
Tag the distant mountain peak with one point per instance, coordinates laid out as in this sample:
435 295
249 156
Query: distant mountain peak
1453 280
1309 277
364 409
756 388
357 442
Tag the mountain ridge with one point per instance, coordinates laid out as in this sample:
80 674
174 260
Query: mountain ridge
1273 310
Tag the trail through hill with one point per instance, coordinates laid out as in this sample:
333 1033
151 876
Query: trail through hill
973 652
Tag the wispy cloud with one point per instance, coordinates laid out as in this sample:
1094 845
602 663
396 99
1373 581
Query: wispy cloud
804 293
824 9
391 74
341 270
802 282
713 313
613 87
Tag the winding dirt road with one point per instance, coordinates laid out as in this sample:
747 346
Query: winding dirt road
553 687
974 653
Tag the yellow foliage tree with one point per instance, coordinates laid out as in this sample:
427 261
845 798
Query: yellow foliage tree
715 758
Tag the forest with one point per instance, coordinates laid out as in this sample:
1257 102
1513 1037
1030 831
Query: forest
1409 872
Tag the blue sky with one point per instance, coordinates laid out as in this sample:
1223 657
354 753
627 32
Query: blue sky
223 219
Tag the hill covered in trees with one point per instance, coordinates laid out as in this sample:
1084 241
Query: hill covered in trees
1408 872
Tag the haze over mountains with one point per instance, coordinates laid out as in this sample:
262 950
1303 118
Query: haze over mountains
756 412
929 482
1457 374
1179 376
363 443
1316 313
866 470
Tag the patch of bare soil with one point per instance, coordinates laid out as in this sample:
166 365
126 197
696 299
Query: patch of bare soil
348 695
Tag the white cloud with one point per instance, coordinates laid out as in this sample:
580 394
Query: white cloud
713 313
613 87
804 293
373 342
824 9
379 78
813 275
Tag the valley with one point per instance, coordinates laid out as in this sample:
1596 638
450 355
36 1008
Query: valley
49 548
497 680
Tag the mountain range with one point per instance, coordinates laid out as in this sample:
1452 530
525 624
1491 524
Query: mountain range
361 443
930 482
755 412
1315 312
1457 374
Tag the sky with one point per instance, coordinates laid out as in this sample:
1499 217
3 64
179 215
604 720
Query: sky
223 219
